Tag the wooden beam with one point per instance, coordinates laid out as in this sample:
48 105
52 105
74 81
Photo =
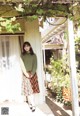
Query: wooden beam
52 46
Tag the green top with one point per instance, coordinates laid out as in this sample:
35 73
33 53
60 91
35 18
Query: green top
30 62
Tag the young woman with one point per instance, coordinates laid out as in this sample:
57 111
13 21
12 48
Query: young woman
30 80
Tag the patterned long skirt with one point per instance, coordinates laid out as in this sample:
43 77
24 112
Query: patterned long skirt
34 84
30 86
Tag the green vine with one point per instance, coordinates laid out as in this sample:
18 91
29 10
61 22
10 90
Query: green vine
9 25
30 10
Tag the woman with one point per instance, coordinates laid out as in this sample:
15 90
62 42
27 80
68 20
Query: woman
30 81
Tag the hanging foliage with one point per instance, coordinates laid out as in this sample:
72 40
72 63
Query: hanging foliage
40 8
9 25
32 9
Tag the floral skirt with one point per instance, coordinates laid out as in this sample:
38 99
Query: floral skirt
30 86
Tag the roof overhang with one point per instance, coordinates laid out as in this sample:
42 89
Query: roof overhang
53 35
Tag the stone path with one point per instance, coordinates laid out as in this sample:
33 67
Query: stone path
22 109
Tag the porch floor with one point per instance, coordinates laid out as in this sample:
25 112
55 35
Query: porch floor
22 109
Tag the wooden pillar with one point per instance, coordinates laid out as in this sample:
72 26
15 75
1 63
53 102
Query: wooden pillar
74 84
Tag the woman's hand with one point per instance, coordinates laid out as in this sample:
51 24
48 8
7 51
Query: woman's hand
30 75
27 75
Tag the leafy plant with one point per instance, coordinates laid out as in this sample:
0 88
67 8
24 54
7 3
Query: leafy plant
60 72
67 103
59 96
77 44
9 25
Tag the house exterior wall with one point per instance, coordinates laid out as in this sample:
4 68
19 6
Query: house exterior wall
32 35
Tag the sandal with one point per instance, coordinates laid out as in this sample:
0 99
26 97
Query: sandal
33 108
30 106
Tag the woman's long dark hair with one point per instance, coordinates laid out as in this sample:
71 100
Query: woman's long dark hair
28 44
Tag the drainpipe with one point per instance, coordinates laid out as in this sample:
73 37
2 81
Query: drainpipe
74 84
44 57
44 62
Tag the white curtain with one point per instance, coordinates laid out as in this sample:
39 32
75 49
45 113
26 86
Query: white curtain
10 70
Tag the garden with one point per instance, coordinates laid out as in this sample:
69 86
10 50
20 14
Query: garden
59 86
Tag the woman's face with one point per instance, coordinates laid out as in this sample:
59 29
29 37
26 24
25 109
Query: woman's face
27 48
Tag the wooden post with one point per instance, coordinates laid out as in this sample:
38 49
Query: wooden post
74 84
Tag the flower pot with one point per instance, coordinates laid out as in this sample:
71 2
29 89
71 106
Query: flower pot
66 107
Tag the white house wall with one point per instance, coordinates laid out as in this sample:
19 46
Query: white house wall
32 35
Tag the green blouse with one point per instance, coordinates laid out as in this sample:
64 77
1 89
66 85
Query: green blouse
30 62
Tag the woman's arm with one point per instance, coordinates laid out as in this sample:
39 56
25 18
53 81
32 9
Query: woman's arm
34 67
23 68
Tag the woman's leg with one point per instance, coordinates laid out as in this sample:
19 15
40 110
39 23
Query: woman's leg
31 102
31 99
